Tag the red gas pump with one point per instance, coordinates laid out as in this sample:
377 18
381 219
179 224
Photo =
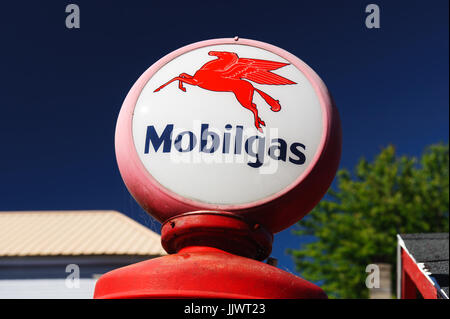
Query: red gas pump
223 168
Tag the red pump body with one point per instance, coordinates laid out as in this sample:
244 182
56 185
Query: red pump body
199 269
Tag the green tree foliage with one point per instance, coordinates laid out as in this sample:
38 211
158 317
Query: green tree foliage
357 224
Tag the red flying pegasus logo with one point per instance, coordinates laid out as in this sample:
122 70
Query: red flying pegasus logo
227 74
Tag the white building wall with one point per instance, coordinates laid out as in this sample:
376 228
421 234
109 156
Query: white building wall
46 289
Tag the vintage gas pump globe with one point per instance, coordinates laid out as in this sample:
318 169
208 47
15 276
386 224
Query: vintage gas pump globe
225 142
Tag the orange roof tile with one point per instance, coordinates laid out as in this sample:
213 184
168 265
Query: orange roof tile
53 233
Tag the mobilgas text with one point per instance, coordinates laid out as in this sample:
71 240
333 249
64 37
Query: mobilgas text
211 141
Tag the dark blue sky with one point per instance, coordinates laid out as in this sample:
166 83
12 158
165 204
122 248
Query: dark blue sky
61 90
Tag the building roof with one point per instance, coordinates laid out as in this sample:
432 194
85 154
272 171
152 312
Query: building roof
75 233
430 252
